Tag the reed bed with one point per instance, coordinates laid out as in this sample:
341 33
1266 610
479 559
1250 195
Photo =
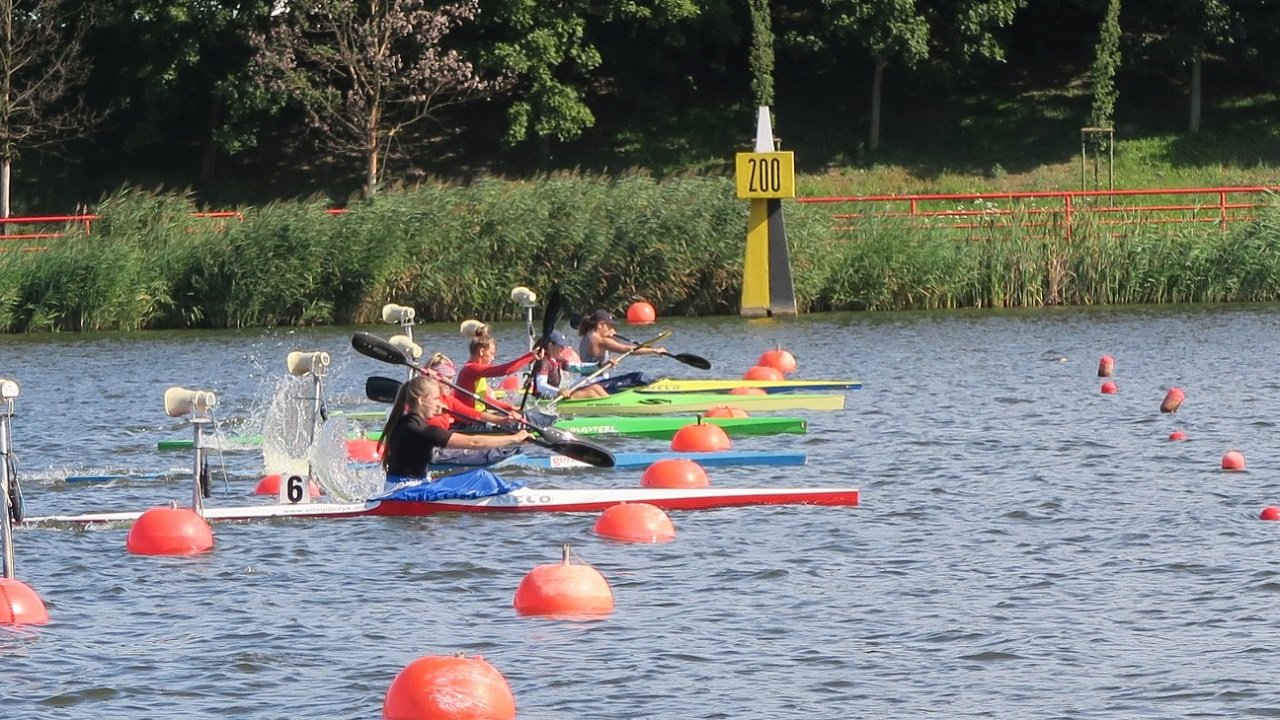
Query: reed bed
455 251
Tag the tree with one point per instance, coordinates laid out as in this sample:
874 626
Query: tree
1183 32
1105 64
366 72
909 31
549 49
41 68
761 53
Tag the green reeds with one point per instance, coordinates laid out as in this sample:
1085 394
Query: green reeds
454 251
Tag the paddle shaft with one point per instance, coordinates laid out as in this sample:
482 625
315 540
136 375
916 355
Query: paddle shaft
687 358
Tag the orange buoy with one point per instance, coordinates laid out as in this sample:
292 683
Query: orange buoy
564 589
635 522
440 687
762 372
1172 400
1270 512
169 531
1177 435
1106 366
511 383
1108 388
20 605
700 437
748 391
1233 460
779 359
724 411
675 473
270 485
641 313
363 450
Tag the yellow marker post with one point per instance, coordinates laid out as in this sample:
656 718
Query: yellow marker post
766 177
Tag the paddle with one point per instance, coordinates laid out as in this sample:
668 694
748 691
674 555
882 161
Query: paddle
381 389
557 441
589 378
687 358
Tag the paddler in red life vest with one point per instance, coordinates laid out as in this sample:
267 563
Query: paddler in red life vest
548 372
459 414
474 375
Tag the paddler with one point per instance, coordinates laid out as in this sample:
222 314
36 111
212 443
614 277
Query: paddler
408 440
549 372
598 332
459 414
474 375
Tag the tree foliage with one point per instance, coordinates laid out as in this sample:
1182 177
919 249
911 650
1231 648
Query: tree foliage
1105 65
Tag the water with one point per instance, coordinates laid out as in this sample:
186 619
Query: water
1026 546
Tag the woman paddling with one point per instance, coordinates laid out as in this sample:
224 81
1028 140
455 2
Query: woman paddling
408 440
474 375
598 341
548 372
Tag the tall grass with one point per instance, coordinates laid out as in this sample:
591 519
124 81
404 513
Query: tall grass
455 251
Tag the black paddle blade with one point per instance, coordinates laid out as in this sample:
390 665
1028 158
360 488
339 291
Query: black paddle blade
552 314
379 349
582 451
692 360
381 389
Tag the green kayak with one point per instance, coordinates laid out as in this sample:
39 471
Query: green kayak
631 402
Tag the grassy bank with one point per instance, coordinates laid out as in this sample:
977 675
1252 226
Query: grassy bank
455 251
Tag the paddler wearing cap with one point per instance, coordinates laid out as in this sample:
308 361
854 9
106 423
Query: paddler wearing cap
549 376
598 341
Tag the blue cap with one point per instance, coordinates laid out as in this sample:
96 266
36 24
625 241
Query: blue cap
558 338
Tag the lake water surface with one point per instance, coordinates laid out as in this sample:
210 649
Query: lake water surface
1026 546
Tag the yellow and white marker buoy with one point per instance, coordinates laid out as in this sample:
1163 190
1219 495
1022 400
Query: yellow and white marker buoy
765 177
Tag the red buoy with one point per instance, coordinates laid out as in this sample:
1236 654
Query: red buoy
779 359
762 372
570 355
675 473
564 589
1270 512
1106 366
270 485
20 605
748 391
641 313
511 383
635 522
439 687
1177 435
724 411
1108 388
701 437
363 450
169 531
1172 400
1233 460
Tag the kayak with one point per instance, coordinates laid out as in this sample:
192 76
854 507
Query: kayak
626 461
516 501
682 385
649 426
632 402
631 460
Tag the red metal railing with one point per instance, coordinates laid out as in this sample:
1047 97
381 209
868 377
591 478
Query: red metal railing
1056 211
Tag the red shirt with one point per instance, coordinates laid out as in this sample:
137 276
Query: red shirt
452 405
472 378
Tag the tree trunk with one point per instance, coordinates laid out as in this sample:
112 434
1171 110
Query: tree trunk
371 167
1195 93
877 83
209 158
5 166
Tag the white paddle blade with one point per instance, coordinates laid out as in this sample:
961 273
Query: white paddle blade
406 346
470 327
302 362
9 389
181 401
392 313
522 295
